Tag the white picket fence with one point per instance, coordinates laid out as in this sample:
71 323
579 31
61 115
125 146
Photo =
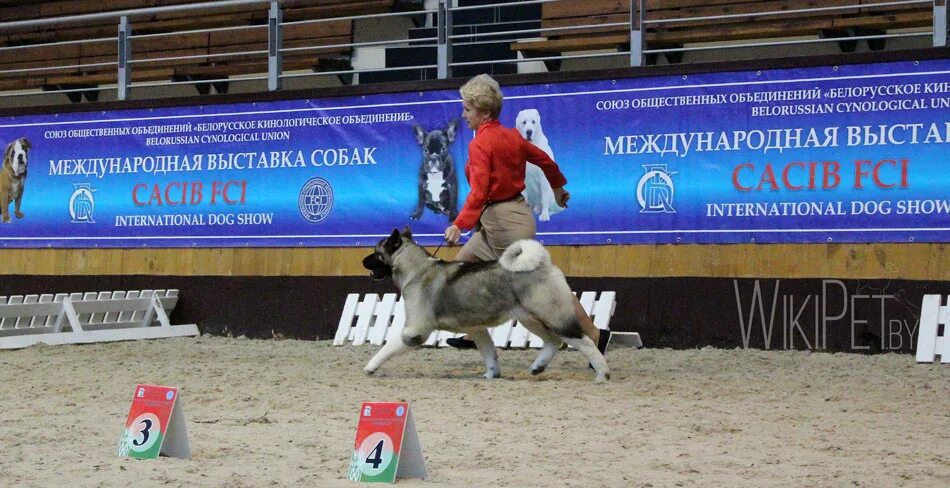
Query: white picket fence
70 318
929 341
375 320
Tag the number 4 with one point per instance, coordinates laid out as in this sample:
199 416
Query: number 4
376 455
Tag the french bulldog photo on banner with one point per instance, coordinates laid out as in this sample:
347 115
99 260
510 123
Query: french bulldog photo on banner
438 185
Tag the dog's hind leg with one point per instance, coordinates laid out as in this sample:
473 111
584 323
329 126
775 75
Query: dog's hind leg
489 353
551 344
392 348
596 359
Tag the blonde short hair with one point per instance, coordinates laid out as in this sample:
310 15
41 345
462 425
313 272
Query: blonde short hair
483 93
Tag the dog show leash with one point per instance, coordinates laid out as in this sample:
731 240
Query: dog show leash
438 248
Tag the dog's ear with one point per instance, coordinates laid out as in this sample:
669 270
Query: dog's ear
8 152
420 133
394 241
407 232
25 143
451 129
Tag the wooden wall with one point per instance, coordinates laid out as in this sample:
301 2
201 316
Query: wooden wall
843 261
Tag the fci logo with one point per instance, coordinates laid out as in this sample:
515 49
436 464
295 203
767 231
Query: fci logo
655 189
315 200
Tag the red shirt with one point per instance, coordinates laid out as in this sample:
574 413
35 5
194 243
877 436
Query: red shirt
495 169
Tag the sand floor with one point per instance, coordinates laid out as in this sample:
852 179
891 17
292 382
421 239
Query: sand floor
284 413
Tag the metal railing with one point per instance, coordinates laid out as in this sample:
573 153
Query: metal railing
939 14
125 39
639 21
445 41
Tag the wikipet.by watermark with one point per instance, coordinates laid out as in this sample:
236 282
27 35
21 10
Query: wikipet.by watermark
802 321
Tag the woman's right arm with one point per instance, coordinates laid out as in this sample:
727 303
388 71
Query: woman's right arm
551 171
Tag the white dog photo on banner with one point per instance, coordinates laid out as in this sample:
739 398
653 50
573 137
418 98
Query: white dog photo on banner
537 192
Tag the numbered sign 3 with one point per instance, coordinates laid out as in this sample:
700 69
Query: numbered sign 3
386 444
142 436
155 425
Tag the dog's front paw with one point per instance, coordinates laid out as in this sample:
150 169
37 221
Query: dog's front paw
602 379
369 372
6 219
537 370
416 215
492 374
18 214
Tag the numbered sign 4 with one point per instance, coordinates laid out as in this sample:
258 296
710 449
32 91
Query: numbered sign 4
387 445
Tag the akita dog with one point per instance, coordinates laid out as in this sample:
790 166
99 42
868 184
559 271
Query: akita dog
471 297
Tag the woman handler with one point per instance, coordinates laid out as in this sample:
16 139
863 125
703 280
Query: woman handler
495 170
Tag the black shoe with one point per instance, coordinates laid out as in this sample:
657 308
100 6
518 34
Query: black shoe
460 343
602 341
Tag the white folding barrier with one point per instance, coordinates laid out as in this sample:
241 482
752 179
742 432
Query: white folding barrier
929 341
88 317
375 320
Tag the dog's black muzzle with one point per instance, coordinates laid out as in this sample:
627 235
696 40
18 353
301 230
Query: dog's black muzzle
378 270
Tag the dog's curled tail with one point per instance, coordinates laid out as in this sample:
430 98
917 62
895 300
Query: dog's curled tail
524 255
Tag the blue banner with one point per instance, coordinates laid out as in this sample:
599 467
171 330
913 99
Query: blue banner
853 153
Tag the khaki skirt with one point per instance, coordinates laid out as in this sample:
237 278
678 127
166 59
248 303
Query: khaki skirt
500 225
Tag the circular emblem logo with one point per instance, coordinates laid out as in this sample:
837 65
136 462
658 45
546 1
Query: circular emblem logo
315 200
655 189
82 204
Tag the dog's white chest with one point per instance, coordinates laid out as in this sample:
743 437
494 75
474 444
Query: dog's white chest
16 187
435 183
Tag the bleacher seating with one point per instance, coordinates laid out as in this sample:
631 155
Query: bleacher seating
201 47
194 47
864 19
498 20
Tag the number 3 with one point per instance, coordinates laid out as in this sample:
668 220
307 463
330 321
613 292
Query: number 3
144 432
